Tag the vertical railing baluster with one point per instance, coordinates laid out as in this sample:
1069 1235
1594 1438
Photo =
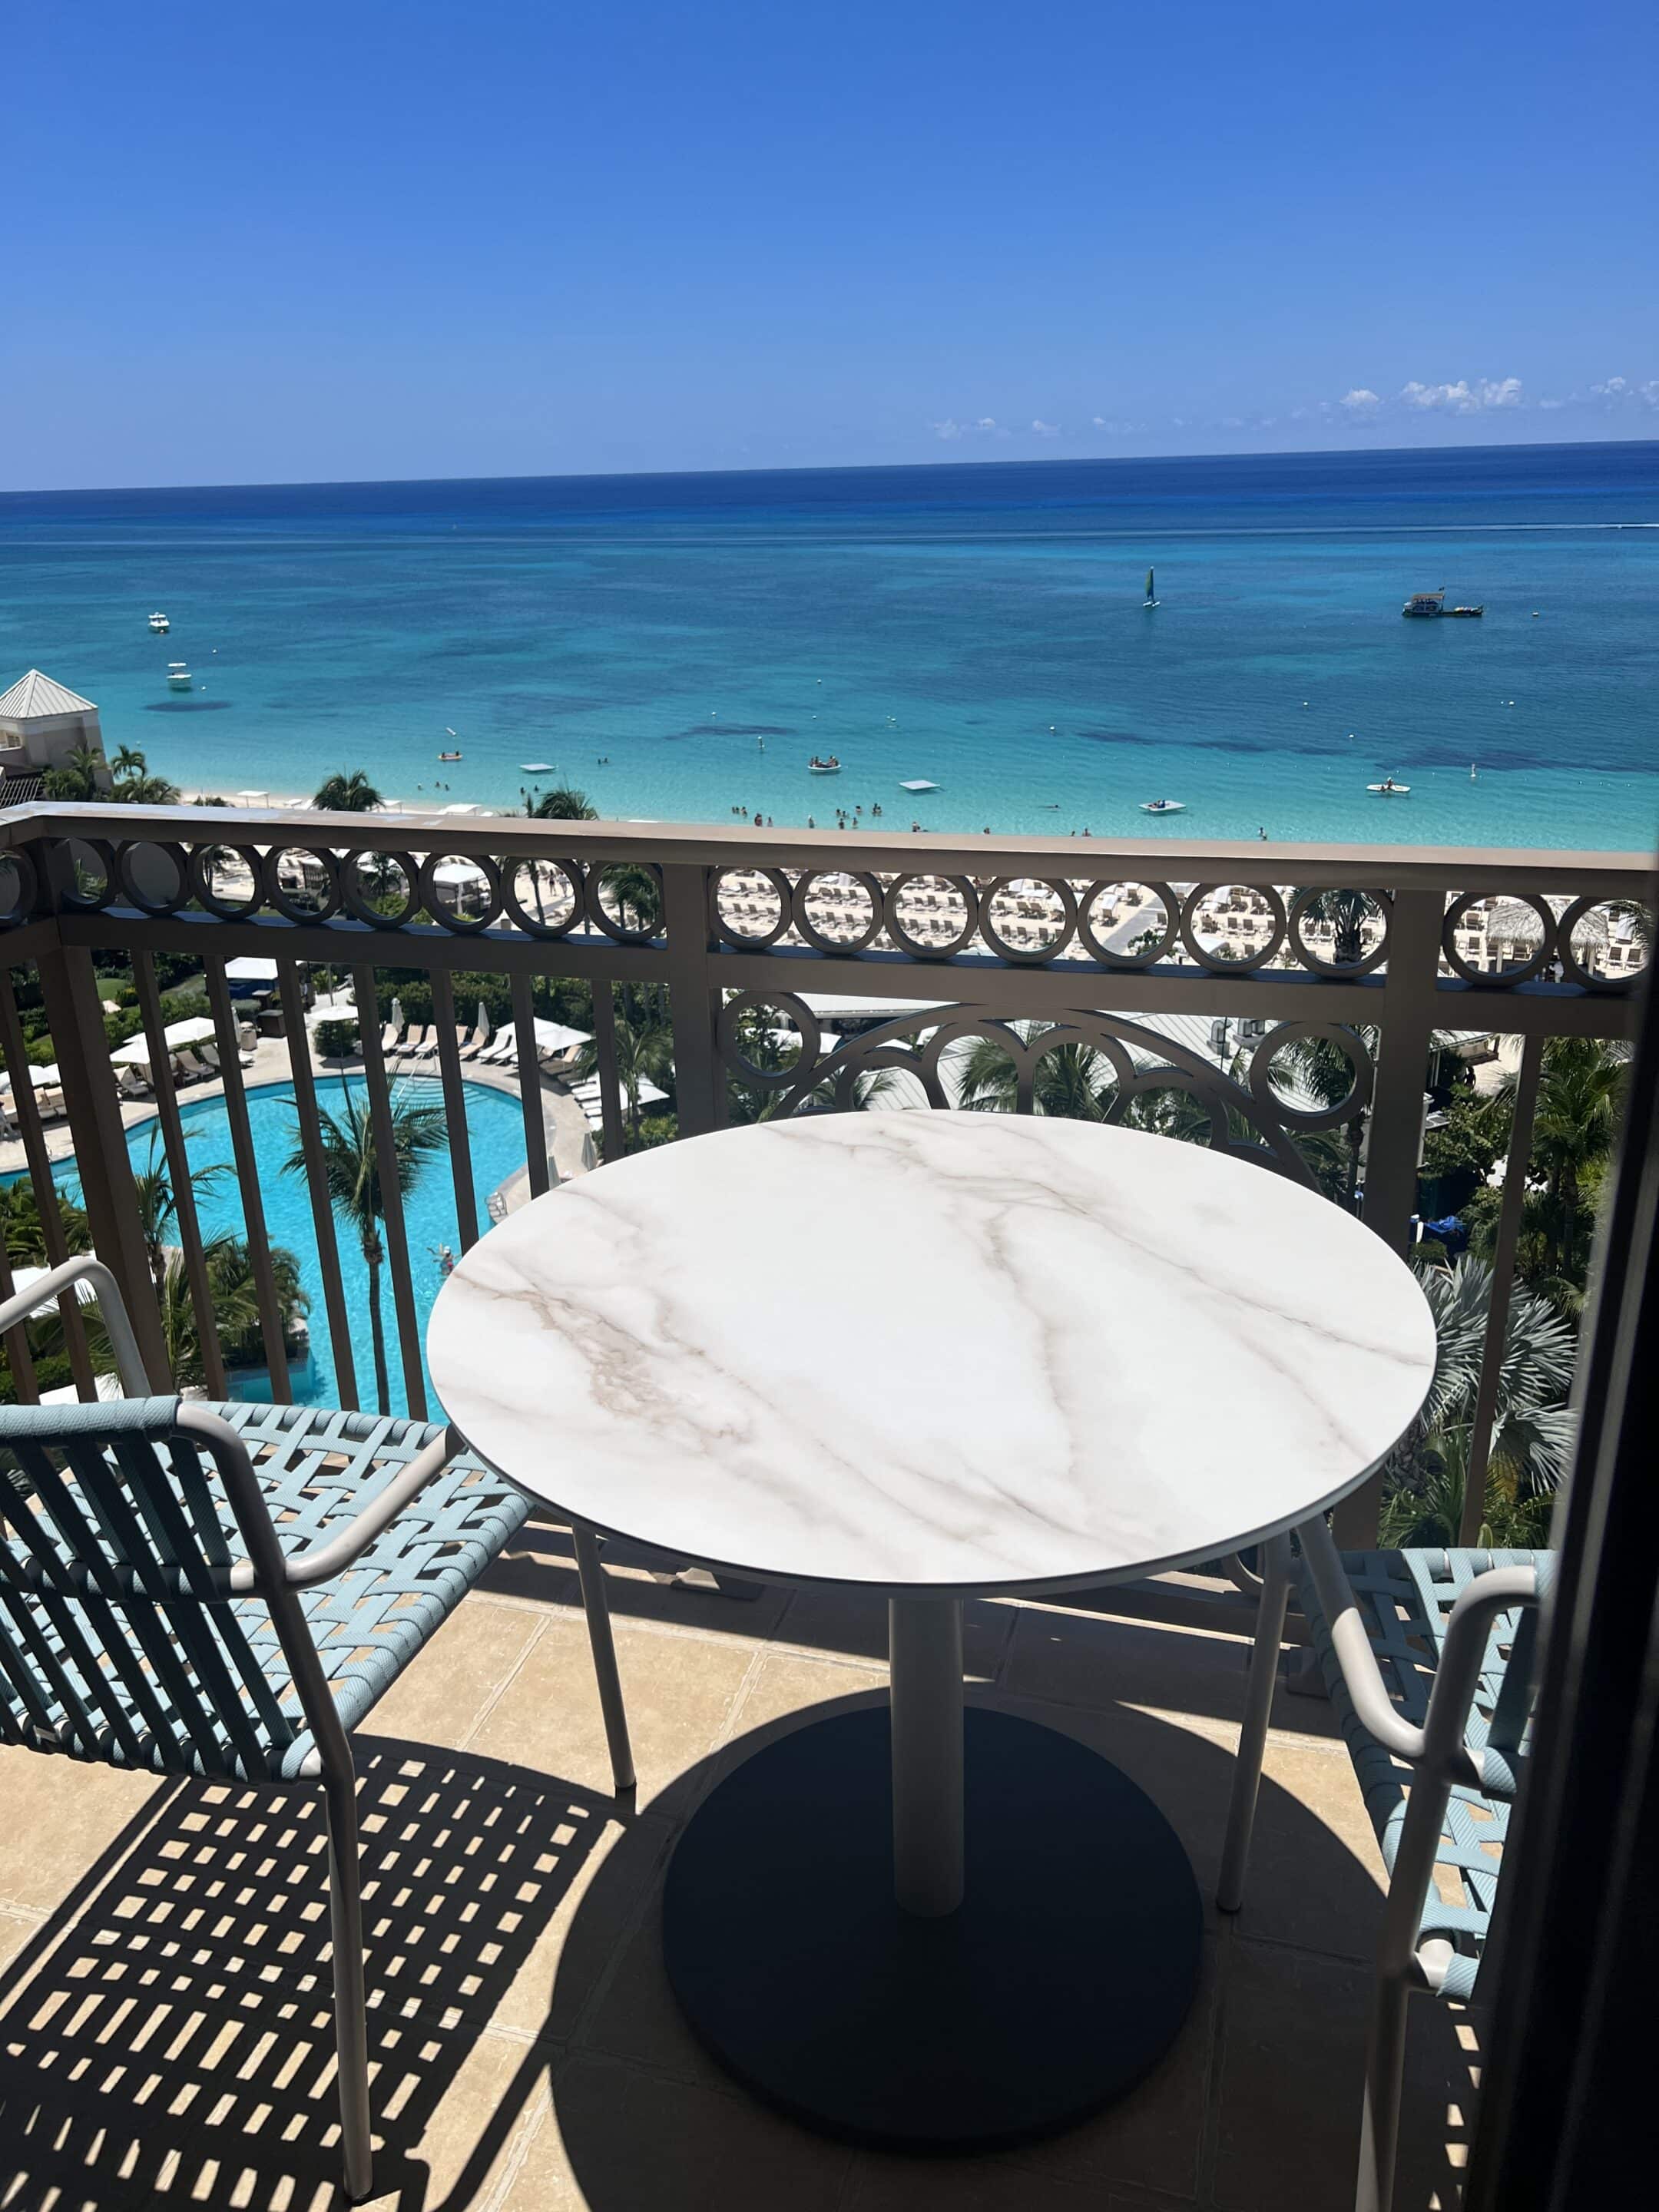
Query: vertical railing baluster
530 1084
247 1179
322 1210
1393 1141
69 989
460 1142
1503 1283
611 1128
39 1159
392 1197
184 1196
691 998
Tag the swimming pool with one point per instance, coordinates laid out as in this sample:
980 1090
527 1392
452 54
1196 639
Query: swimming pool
496 1129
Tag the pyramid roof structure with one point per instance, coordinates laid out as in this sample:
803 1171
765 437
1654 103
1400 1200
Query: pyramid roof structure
35 697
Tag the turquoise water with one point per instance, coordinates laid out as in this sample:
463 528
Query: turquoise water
495 1128
681 645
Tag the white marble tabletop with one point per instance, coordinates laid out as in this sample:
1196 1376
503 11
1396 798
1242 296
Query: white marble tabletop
933 1351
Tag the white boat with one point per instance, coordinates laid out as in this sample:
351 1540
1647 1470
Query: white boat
1390 789
1151 599
817 767
160 622
1164 806
178 676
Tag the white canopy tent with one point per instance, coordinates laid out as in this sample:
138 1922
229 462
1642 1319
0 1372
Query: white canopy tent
249 970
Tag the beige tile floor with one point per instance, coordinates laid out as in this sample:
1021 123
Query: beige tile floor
165 2026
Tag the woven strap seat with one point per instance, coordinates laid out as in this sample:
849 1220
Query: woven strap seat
120 1639
1404 1598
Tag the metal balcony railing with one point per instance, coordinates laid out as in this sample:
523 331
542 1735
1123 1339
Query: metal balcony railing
921 944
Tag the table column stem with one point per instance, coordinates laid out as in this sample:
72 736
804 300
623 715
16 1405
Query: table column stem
925 1650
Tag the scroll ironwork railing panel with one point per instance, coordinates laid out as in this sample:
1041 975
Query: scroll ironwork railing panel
1186 988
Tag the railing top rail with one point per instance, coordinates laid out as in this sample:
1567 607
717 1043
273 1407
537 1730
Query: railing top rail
1471 868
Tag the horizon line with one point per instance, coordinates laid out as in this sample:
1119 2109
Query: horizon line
820 469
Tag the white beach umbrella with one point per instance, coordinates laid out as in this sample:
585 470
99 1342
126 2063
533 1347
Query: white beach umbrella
554 1036
397 1014
483 1022
135 1053
195 1029
42 1078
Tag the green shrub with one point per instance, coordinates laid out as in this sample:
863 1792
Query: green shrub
337 1040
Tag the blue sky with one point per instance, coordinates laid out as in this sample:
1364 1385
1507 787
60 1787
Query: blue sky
348 241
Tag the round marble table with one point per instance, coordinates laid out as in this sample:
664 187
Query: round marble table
941 1355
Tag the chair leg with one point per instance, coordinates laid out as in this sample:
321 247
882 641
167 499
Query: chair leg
1379 2125
350 2003
1253 1736
596 1605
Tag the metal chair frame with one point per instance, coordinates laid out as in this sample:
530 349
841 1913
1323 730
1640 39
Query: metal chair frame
138 1552
1439 1754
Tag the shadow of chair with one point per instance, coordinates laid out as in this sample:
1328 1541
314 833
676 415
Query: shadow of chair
169 2039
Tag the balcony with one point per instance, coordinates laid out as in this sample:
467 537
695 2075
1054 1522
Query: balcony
165 1988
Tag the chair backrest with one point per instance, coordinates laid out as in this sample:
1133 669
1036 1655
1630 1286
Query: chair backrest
121 1639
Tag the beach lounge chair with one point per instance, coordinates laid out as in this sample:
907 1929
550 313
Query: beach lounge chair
1428 1656
222 1591
390 1035
413 1038
189 1069
427 1049
132 1085
476 1044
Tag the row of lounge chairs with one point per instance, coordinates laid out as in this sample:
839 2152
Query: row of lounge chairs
188 1067
419 1041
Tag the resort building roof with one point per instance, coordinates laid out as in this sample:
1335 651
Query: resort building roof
35 696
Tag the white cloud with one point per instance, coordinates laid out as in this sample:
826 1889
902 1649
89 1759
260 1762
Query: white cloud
1464 397
1614 388
1115 428
1361 400
1045 429
982 426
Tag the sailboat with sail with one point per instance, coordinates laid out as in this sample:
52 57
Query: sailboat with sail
1151 599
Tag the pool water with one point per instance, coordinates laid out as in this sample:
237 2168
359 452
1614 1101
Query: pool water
494 1125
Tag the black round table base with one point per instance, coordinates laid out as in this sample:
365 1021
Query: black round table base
1063 1978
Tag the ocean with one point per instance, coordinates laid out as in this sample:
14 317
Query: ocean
680 645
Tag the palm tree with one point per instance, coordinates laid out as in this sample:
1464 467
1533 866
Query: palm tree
644 1050
1533 1427
1072 1079
148 791
564 803
158 1207
79 777
1581 1094
1347 912
129 761
352 1180
341 793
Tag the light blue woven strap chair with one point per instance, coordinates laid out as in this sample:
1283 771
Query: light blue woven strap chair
224 1591
1428 1656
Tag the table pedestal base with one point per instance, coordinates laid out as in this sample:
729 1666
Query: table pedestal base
1060 1981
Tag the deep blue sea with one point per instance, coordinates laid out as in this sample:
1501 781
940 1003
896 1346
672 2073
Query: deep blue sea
679 646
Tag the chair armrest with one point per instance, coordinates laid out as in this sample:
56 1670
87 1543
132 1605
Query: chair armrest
1456 1677
1439 1744
129 1361
1372 1705
303 1569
